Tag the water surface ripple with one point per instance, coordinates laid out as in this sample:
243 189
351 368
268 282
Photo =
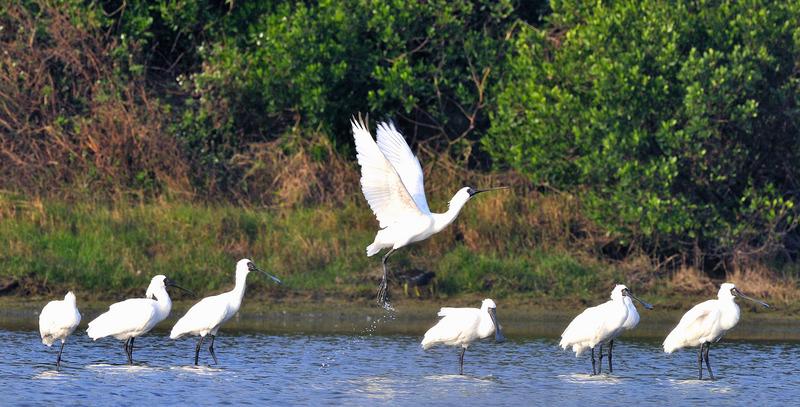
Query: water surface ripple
258 368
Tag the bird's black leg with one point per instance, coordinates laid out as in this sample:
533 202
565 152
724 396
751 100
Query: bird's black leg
700 361
600 360
127 350
197 349
594 370
58 359
610 347
130 351
461 360
708 365
383 288
211 349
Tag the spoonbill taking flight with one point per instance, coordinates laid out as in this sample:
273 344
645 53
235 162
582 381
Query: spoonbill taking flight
57 321
462 326
392 182
599 324
630 323
129 319
210 313
707 322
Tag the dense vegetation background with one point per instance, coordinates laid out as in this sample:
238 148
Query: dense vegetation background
646 141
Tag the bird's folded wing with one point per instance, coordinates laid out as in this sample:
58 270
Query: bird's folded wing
395 148
384 190
700 319
585 324
125 316
206 314
48 318
460 312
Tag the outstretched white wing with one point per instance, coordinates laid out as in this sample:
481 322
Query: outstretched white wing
380 182
396 150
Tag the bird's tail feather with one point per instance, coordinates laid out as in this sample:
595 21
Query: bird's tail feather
673 342
178 330
373 249
427 342
99 328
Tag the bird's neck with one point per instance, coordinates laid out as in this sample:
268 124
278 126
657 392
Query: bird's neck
163 301
238 289
486 326
441 220
730 317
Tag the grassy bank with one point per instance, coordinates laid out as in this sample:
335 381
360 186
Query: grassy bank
496 248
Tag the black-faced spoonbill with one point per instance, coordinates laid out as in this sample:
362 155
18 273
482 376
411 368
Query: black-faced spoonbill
392 182
598 325
134 317
630 323
462 326
210 313
707 322
58 320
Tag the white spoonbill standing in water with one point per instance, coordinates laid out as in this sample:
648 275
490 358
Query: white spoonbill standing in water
630 322
598 325
462 326
210 313
392 182
706 323
57 321
135 317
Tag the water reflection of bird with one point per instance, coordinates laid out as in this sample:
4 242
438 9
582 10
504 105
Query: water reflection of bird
392 183
706 323
129 319
462 326
210 313
599 325
418 278
58 320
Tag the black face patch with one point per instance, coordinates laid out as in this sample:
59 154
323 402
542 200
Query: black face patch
251 266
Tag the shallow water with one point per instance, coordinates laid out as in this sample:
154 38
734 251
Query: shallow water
331 369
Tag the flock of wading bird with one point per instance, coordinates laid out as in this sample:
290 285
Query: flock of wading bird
392 182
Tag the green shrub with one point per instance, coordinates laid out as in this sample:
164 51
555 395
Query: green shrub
677 122
426 64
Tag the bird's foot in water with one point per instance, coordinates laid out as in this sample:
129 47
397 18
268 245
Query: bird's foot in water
383 295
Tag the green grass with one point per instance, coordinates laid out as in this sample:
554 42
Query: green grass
107 251
104 249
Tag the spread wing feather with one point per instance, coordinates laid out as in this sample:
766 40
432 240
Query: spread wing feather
396 150
383 188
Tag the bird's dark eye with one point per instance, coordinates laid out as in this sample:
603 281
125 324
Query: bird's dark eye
251 266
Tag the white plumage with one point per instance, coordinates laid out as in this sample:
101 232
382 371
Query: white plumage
600 324
134 317
633 315
630 322
707 323
210 313
463 326
392 182
58 320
